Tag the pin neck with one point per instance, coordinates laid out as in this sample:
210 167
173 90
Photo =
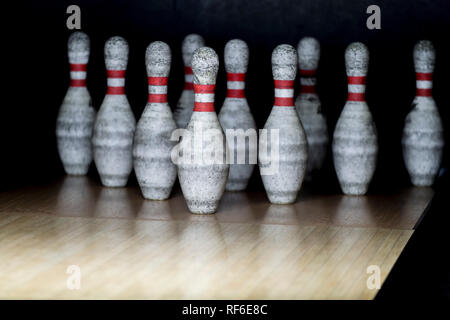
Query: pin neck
188 78
236 85
115 81
307 81
157 89
204 97
424 84
78 74
284 93
356 88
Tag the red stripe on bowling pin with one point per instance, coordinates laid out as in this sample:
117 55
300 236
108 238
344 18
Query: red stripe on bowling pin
235 85
307 81
78 74
307 73
157 89
356 88
424 84
115 81
204 97
188 78
78 67
284 93
78 82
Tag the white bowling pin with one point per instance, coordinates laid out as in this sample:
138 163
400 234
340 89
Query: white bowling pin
202 168
76 116
235 116
423 137
287 156
183 111
308 104
355 145
115 123
155 171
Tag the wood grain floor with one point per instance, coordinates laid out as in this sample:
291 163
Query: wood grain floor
129 248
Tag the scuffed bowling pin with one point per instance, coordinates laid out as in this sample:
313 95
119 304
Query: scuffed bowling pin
202 169
235 115
155 171
423 137
284 182
355 145
308 104
76 116
115 123
183 111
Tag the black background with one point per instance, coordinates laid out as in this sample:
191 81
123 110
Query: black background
37 75
40 73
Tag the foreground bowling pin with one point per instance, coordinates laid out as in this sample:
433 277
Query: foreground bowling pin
183 111
76 115
355 145
115 123
423 139
202 169
308 104
235 115
155 171
288 155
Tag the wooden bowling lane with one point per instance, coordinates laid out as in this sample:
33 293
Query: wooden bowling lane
127 247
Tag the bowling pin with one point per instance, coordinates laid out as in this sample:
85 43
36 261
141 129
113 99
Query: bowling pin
355 145
115 123
76 116
235 115
202 168
308 105
155 171
183 111
423 137
290 152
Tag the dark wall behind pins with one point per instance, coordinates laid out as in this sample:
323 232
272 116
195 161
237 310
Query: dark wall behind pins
39 75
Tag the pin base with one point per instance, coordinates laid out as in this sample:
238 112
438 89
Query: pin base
354 189
115 182
155 193
282 197
202 207
76 169
423 180
238 185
